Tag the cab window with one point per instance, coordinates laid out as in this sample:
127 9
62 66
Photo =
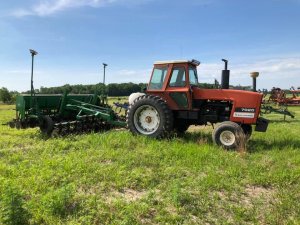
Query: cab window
158 78
193 76
178 77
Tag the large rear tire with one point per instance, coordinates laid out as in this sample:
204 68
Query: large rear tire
229 135
150 115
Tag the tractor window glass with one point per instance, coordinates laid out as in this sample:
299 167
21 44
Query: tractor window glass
178 77
158 78
193 76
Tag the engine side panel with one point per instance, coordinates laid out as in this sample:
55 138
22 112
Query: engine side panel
245 104
205 112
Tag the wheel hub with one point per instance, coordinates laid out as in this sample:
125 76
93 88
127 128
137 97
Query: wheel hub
227 138
146 119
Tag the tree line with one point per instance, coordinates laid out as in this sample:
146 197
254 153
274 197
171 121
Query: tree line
113 89
7 96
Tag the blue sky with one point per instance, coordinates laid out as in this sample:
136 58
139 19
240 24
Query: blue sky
74 37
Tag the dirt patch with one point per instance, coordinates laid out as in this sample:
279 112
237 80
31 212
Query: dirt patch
254 193
172 210
198 128
258 191
106 162
20 147
258 200
202 141
132 195
250 195
129 195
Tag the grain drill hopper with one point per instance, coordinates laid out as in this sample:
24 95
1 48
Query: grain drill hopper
65 113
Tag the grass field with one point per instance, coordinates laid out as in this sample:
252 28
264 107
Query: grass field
116 178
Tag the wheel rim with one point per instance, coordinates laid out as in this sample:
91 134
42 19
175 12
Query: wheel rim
227 138
146 119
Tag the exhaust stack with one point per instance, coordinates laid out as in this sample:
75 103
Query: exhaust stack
225 76
254 75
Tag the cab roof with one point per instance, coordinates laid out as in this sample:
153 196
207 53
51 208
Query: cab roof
193 61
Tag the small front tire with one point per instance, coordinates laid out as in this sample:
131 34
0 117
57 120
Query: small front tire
229 135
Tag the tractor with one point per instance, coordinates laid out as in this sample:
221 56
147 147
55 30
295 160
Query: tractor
173 101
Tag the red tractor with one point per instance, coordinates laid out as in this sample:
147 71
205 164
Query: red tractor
173 101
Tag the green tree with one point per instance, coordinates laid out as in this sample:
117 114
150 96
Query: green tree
5 95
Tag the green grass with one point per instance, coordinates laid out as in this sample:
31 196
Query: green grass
117 178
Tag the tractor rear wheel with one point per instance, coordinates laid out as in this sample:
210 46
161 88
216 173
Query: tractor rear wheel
46 125
150 115
229 135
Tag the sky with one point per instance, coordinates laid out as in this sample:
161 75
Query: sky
74 37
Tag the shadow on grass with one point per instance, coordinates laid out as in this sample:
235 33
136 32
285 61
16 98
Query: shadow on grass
259 145
196 137
256 145
39 135
283 121
66 136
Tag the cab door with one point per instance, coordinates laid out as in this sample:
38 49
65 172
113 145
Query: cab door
178 89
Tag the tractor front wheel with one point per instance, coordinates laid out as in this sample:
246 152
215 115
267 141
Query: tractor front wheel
229 135
150 115
46 125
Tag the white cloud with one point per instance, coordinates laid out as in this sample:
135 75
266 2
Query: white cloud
278 65
277 72
21 13
126 75
17 72
49 7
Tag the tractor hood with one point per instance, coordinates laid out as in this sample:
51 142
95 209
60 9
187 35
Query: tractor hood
245 104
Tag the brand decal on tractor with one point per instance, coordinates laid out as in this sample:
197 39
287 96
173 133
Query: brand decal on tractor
244 112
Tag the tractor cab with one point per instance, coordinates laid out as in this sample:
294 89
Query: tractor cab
173 81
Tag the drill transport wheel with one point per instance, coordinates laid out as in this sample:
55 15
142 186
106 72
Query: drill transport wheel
46 125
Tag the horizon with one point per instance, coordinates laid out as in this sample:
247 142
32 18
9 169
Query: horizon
243 86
